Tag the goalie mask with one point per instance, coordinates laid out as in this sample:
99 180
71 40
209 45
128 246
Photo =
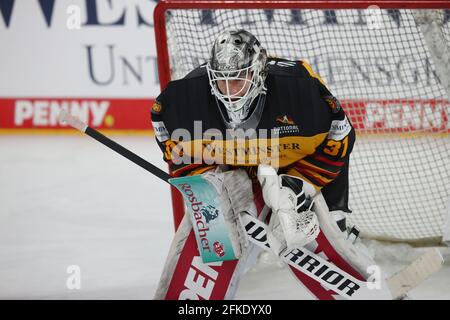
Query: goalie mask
236 71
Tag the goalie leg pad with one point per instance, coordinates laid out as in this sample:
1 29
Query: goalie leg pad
332 244
186 277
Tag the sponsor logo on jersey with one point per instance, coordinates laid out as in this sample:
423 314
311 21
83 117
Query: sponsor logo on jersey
285 120
218 249
161 132
339 129
288 125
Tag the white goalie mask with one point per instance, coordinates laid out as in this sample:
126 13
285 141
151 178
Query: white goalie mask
236 71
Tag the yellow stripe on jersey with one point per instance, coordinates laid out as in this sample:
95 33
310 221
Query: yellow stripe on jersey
317 176
279 152
311 71
310 166
295 172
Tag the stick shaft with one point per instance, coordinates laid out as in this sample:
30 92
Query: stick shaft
76 123
127 154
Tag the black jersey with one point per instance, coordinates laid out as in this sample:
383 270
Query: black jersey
302 129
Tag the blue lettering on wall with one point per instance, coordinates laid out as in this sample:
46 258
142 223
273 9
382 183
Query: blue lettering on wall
47 10
92 15
206 17
130 70
91 66
6 7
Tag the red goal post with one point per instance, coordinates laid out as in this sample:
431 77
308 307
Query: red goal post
164 68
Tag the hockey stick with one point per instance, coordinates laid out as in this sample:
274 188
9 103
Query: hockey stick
399 284
83 127
415 273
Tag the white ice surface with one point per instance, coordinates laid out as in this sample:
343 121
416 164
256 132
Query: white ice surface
68 200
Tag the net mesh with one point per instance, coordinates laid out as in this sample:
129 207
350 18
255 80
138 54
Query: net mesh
378 65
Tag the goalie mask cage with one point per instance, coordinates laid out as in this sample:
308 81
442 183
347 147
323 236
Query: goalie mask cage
387 62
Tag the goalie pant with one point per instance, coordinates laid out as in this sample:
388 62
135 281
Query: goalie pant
186 277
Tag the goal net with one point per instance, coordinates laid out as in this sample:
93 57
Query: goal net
388 68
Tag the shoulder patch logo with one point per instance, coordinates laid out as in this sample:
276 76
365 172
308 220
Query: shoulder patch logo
333 103
156 108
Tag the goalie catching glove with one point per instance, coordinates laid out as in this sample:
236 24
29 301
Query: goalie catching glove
292 223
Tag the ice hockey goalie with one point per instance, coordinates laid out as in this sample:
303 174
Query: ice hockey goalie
276 123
